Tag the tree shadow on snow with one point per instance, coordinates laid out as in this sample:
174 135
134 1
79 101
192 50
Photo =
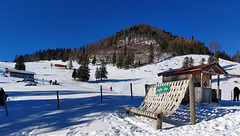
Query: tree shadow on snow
114 80
26 115
228 67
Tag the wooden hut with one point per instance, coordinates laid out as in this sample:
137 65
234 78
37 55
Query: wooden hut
202 76
20 73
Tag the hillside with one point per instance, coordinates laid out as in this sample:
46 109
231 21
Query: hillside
33 109
133 40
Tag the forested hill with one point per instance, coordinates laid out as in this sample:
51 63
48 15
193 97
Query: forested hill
136 41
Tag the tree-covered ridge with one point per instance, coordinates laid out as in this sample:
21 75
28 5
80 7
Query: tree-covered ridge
133 40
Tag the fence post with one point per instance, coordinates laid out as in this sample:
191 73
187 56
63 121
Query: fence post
146 89
57 99
131 90
192 101
101 92
5 104
159 121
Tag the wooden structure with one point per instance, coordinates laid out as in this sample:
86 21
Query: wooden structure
162 99
202 76
19 73
60 65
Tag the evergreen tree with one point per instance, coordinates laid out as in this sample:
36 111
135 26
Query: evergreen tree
191 62
103 71
188 62
151 55
74 74
120 61
83 59
127 61
97 73
202 62
210 59
114 59
132 57
185 62
94 60
83 72
125 50
64 57
236 57
20 63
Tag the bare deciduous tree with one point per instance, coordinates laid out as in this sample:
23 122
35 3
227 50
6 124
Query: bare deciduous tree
214 46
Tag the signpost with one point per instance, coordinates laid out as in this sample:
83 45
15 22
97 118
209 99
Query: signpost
162 89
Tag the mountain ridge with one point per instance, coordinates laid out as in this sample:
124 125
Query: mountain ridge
132 40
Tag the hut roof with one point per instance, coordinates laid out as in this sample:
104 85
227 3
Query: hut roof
20 71
206 68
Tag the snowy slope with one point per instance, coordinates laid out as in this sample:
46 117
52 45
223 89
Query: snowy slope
33 109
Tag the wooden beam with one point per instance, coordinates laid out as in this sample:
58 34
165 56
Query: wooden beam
192 102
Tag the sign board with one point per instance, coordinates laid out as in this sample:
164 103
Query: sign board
162 89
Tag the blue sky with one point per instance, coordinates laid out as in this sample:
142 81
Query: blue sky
27 26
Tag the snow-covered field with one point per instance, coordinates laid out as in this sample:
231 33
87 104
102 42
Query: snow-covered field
33 109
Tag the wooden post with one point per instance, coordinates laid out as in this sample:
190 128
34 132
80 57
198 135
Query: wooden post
201 97
159 121
5 104
131 90
146 89
57 99
218 88
192 101
101 92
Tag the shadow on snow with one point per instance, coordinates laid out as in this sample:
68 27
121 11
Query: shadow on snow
24 115
114 80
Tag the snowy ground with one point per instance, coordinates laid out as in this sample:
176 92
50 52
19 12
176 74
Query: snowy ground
33 109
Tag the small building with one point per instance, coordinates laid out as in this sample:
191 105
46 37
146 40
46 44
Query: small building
202 76
19 73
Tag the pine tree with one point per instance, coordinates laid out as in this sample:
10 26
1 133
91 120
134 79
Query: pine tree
83 72
151 56
114 59
191 62
97 73
74 74
94 60
103 71
20 63
125 50
127 61
202 62
212 59
120 61
185 62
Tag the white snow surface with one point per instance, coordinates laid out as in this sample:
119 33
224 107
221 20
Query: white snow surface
33 109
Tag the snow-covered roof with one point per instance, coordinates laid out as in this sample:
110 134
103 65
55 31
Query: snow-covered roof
20 71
